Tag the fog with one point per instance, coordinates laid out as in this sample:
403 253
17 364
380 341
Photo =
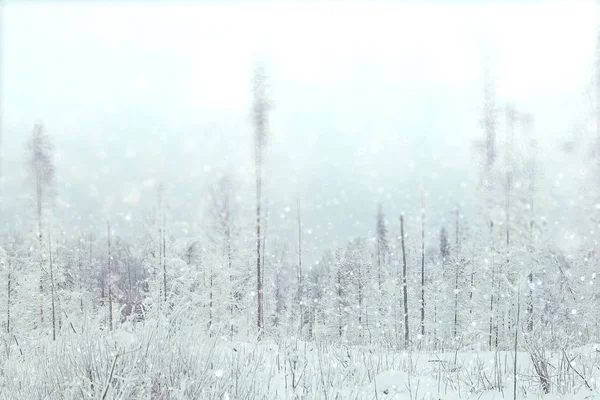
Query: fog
370 103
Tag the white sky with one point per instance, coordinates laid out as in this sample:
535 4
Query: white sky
206 52
363 92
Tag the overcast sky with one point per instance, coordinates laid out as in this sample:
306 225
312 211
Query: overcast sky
370 100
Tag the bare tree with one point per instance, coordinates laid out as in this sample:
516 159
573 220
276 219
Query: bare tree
527 121
260 111
161 222
6 263
456 274
597 68
404 282
493 321
52 286
109 278
39 153
510 125
300 297
489 153
382 246
423 265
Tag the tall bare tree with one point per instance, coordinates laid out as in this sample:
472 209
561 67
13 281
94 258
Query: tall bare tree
39 158
597 67
404 282
260 111
52 286
5 260
382 246
423 265
457 266
109 279
300 297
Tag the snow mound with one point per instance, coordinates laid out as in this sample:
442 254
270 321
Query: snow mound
399 385
392 382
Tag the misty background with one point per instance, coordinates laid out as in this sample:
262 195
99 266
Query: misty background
370 104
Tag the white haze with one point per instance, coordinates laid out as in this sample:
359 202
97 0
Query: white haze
371 102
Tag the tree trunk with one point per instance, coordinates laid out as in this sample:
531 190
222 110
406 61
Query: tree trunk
423 267
52 286
456 273
210 299
299 295
492 266
404 283
80 265
516 327
109 279
340 303
164 253
8 292
510 116
39 216
258 263
260 109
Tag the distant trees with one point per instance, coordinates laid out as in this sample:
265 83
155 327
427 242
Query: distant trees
363 290
222 209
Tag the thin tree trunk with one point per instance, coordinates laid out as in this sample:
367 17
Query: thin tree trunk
109 278
52 286
516 343
340 303
129 282
423 266
232 293
531 240
210 301
80 264
260 108
404 283
300 297
164 253
39 215
262 263
258 259
456 273
493 284
8 292
597 67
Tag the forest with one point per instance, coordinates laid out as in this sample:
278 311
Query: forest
496 299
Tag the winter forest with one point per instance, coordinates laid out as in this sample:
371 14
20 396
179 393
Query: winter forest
286 201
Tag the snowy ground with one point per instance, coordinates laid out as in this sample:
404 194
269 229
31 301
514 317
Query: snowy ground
158 362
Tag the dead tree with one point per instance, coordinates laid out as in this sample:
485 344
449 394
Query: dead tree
423 266
260 110
6 260
382 253
39 152
456 274
164 253
52 286
404 283
109 278
300 296
527 121
489 153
